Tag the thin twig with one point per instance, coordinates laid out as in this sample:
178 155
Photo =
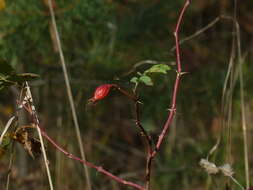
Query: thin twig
125 93
8 124
69 92
148 141
198 32
29 99
139 125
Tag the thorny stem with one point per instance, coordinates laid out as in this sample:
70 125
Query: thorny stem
89 164
174 98
125 93
176 85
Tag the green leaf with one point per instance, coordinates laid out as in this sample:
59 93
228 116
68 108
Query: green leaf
5 68
146 80
5 82
20 78
134 80
9 77
159 68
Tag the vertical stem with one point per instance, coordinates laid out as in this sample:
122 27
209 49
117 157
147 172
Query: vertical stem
174 98
176 84
244 125
28 97
148 170
143 131
69 92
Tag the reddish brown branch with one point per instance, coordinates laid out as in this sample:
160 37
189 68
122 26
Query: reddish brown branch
89 164
174 97
100 169
151 153
177 81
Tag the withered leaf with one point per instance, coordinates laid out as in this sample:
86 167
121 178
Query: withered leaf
30 144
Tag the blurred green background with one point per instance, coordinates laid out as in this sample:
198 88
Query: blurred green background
102 41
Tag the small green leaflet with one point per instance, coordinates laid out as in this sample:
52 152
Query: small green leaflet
134 80
159 68
144 78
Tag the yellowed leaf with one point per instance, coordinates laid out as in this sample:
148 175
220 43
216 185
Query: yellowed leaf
2 5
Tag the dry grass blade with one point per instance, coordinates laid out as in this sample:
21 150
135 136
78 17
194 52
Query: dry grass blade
69 92
241 81
244 124
29 99
8 124
11 160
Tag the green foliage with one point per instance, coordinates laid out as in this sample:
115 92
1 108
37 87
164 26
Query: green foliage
145 79
159 68
25 28
8 76
102 39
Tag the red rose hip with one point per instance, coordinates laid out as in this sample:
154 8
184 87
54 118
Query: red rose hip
101 92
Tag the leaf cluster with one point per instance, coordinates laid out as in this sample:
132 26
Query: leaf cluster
9 77
145 77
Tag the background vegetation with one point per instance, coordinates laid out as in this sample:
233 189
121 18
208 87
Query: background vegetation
102 41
